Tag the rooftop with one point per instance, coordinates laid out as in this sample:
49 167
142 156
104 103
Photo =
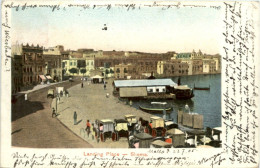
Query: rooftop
144 83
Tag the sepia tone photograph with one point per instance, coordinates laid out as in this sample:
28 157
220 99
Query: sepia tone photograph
116 78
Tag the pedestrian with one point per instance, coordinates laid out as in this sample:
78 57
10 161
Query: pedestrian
105 86
75 117
25 97
187 108
53 113
88 125
82 85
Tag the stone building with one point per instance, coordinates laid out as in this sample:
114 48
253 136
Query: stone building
197 66
80 64
33 64
172 68
17 76
144 63
126 71
209 66
53 62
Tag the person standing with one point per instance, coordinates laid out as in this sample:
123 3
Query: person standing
88 125
53 113
75 117
82 85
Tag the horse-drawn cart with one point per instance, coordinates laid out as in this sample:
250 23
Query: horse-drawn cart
131 120
121 128
104 129
156 127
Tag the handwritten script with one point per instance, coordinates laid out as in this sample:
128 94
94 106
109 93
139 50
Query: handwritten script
239 92
240 89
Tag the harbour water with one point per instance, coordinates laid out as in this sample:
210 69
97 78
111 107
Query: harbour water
205 102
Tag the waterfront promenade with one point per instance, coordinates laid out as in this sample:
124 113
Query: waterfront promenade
91 103
33 126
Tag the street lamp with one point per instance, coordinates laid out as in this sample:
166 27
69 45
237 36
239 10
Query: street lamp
56 103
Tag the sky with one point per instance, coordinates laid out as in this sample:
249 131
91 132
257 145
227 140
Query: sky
145 30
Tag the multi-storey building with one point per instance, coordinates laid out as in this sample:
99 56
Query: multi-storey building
83 66
209 66
33 64
172 68
126 71
17 78
197 66
53 62
83 60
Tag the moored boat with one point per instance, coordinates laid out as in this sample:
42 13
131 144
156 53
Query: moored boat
201 88
156 107
183 92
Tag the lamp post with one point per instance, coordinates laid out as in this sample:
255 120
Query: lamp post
57 103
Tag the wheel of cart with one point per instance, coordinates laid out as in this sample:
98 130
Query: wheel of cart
157 126
102 137
114 136
154 132
163 131
105 128
121 128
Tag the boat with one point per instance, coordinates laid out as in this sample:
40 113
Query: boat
201 88
183 92
156 107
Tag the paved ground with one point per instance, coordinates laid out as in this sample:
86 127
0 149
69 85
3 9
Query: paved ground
91 103
33 126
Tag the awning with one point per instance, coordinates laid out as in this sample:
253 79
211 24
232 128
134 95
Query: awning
48 77
97 77
42 77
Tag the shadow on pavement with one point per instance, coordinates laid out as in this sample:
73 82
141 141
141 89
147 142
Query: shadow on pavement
22 108
16 131
78 122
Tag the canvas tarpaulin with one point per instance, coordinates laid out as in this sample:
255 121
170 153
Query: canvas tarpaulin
133 92
121 126
180 117
187 119
198 121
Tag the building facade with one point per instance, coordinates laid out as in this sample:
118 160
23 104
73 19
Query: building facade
126 71
17 76
209 66
172 68
53 61
33 64
83 66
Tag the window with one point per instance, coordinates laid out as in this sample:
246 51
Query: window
39 56
150 90
39 68
70 63
157 90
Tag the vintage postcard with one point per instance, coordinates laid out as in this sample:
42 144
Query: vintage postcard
85 83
